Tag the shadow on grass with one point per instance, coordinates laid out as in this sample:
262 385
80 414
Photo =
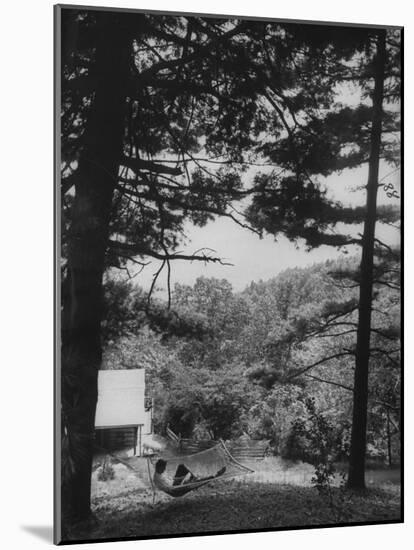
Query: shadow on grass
233 506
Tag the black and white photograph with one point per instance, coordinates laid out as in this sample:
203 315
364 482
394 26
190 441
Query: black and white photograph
228 274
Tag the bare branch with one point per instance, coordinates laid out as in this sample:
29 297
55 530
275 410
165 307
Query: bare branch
393 286
329 335
387 353
386 246
320 362
154 280
331 382
139 164
140 250
383 334
214 160
387 405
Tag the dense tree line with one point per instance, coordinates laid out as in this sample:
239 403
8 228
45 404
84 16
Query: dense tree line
221 364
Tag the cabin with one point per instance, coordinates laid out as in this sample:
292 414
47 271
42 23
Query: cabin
124 411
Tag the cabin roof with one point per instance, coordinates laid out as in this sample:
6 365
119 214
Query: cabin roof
120 398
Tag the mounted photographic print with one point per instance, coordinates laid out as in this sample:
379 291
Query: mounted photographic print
228 304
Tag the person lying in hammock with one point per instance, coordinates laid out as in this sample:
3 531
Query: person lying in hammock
182 476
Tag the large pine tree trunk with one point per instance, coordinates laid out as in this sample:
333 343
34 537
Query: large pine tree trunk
82 293
356 477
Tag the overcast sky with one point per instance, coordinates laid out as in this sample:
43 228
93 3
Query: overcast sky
257 259
253 258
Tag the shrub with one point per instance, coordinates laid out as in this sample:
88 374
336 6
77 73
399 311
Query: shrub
106 471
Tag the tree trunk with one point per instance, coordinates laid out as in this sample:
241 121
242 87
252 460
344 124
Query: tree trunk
356 478
82 292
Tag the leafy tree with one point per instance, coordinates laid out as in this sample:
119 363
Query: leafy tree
224 315
139 92
201 403
274 416
325 137
317 325
210 384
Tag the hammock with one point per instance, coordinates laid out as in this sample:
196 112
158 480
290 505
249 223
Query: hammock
205 467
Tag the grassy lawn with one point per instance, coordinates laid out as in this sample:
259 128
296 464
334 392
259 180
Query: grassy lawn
122 509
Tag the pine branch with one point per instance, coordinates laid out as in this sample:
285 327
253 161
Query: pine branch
201 52
190 207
